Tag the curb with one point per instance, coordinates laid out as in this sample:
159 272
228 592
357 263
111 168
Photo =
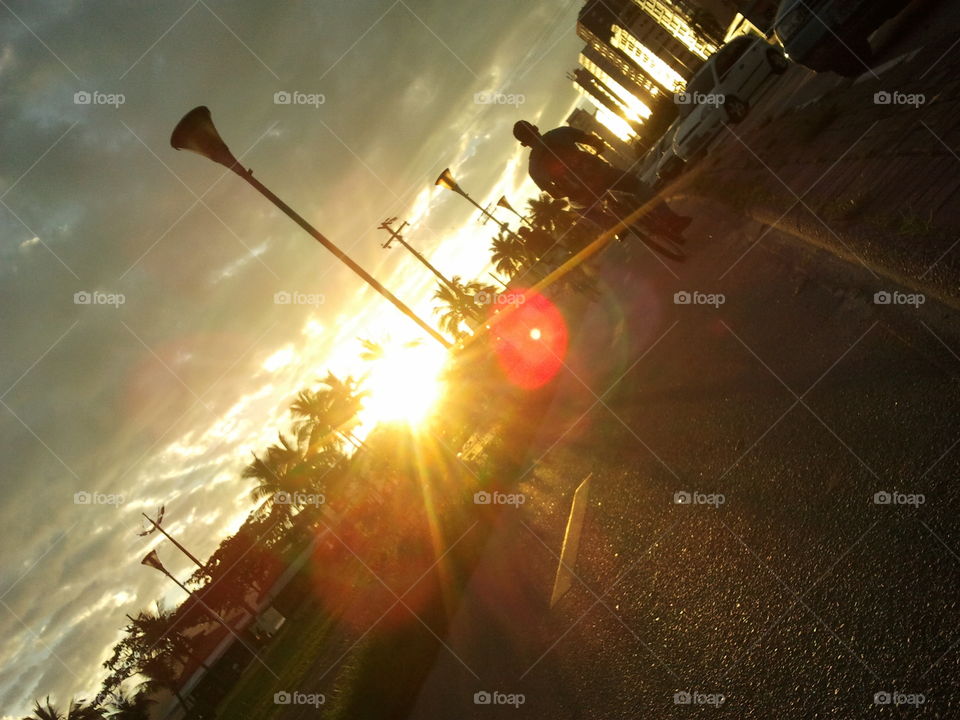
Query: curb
845 242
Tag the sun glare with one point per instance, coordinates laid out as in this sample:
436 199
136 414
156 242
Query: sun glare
404 384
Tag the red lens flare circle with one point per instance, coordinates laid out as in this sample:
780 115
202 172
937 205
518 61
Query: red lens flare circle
530 338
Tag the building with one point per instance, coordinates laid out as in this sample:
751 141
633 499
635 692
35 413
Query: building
610 108
624 153
638 53
709 18
658 35
758 13
620 69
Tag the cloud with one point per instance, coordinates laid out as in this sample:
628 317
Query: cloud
161 399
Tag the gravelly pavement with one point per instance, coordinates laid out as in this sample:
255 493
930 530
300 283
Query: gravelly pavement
798 399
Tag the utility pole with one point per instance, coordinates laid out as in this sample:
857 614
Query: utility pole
488 215
395 235
499 280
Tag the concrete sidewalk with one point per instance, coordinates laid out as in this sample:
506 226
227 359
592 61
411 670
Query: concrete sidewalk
870 170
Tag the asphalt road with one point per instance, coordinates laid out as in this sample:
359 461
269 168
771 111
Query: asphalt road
797 399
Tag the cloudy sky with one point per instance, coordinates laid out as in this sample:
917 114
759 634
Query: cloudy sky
160 399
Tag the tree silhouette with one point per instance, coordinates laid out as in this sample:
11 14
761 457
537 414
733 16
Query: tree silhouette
508 254
460 306
129 706
76 710
320 416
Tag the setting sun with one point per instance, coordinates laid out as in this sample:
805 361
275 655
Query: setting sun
403 384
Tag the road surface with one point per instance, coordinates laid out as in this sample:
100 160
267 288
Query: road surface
797 400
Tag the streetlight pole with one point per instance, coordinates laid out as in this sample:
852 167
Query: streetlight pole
395 235
505 204
197 133
155 524
446 180
152 559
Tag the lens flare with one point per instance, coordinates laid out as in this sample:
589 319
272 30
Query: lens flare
531 341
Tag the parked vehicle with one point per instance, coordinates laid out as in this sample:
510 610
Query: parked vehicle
827 35
721 91
658 165
670 166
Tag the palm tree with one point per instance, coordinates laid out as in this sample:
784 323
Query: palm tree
292 467
321 415
126 706
155 633
555 220
374 351
76 710
160 675
550 214
508 254
460 307
282 472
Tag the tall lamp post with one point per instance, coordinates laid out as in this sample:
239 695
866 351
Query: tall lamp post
152 559
505 204
446 181
197 133
155 527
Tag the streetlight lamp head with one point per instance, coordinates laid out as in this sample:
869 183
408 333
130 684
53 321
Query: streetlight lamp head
446 180
197 133
152 559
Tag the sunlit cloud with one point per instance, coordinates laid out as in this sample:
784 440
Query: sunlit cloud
280 359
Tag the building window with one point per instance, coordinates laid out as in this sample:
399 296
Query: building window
635 109
671 21
668 78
